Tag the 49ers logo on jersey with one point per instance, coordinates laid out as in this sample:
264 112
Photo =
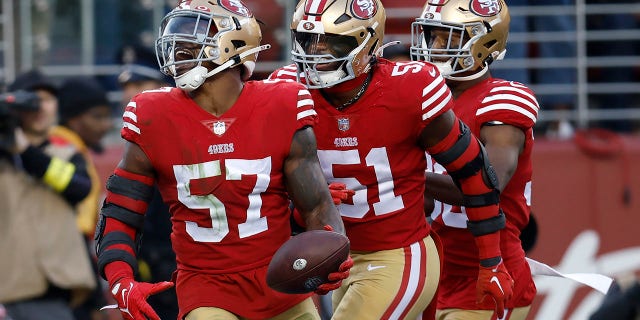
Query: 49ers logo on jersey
485 8
235 6
364 9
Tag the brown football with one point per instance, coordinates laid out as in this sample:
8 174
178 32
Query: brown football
303 262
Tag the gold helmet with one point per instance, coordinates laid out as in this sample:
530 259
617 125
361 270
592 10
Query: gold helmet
222 32
461 36
336 40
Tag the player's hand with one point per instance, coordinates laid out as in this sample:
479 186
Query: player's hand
339 192
496 283
335 278
132 298
21 143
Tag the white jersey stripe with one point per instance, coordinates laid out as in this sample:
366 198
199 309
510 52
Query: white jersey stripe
438 81
304 92
512 97
306 113
506 106
520 91
417 255
132 116
132 104
131 127
305 103
439 107
434 97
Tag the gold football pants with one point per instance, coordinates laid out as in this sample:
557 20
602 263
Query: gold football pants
389 284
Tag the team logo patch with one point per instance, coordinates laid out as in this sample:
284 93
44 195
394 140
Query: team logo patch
485 8
308 26
343 124
219 128
235 6
364 9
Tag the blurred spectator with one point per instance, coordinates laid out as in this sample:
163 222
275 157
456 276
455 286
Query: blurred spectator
622 302
140 72
156 257
45 263
85 117
545 50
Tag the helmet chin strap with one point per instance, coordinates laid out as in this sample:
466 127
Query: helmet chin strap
380 51
324 78
446 71
471 76
195 77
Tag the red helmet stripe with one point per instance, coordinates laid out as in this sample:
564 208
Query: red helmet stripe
435 6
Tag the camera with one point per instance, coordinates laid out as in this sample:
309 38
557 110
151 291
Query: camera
11 104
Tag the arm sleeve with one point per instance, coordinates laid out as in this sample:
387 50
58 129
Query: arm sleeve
69 178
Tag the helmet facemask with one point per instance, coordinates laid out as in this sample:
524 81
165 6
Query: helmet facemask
326 59
448 46
336 41
188 39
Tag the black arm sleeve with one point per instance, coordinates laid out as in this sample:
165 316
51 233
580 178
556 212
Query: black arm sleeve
36 163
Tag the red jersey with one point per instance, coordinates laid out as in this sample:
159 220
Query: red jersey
514 104
372 146
222 177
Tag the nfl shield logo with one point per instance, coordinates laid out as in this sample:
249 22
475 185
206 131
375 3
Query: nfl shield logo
343 124
219 128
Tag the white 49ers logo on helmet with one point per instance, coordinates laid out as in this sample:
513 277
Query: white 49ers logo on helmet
364 9
485 8
235 6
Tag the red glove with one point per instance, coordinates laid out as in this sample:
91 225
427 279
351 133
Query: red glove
495 282
335 278
132 298
339 192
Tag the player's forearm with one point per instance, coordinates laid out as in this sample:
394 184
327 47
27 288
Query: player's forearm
122 219
441 187
325 215
468 165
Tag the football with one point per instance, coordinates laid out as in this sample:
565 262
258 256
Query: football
303 262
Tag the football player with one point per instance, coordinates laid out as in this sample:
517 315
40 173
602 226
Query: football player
225 153
376 120
462 38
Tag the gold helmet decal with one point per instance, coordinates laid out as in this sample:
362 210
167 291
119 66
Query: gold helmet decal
364 9
235 7
485 8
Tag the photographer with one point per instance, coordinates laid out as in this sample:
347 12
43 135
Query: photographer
45 262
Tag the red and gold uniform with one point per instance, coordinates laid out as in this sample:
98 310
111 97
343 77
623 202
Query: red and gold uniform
511 103
223 181
372 147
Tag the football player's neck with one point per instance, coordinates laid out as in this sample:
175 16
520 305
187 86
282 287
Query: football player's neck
458 87
220 92
346 93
